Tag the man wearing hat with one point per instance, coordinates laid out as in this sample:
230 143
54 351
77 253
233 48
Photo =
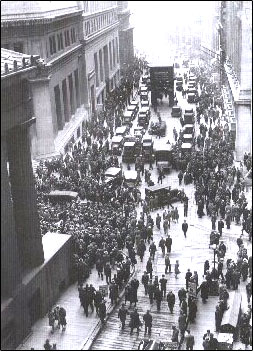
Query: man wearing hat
175 334
122 314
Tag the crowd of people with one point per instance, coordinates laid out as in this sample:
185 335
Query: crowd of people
104 224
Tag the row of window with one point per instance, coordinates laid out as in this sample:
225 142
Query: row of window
68 39
101 21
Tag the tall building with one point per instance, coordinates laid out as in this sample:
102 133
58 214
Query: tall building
126 50
82 44
100 50
32 269
236 60
52 30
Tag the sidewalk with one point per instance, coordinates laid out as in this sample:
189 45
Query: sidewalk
79 329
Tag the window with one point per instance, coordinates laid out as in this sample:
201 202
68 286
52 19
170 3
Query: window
58 108
73 35
67 38
77 87
18 47
60 41
65 101
52 44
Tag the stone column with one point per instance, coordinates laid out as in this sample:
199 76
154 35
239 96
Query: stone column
10 263
24 198
43 112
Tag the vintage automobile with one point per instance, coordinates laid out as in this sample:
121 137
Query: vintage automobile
230 318
179 86
188 129
163 157
191 98
136 104
186 149
187 138
160 196
128 118
158 128
188 118
147 147
189 111
117 145
133 109
61 196
145 79
113 176
131 178
129 152
144 116
139 132
143 96
192 91
191 85
145 103
122 131
176 111
143 88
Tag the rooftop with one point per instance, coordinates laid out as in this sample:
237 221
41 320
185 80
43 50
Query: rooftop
31 10
8 58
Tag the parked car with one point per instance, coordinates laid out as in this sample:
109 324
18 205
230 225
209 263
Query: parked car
158 128
128 117
136 104
189 111
176 111
188 129
188 138
117 145
188 119
163 157
147 147
129 152
144 116
179 86
113 176
191 99
145 102
131 178
133 109
122 131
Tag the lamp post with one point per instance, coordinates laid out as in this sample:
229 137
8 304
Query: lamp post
214 247
214 288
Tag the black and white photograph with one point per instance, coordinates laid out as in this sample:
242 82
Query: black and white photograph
126 175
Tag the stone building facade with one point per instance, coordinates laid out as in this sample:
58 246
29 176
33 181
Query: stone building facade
32 268
236 60
79 43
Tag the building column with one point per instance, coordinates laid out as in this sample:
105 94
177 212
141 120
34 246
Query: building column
44 118
10 263
24 198
62 104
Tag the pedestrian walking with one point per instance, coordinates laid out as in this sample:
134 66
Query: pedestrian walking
152 250
158 221
163 283
168 243
51 318
149 267
122 314
150 291
190 342
188 275
162 245
107 272
47 346
158 297
62 318
102 311
184 228
220 226
167 264
171 301
56 314
145 281
135 322
177 271
175 334
148 320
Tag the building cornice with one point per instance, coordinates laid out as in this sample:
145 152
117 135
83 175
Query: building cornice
88 15
16 21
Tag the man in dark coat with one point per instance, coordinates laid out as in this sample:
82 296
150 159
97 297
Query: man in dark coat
204 290
167 264
171 301
150 291
102 311
168 243
220 226
149 267
122 314
148 319
163 283
188 275
135 321
184 228
158 297
145 281
175 334
189 341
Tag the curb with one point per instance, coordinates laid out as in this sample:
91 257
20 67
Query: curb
98 327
